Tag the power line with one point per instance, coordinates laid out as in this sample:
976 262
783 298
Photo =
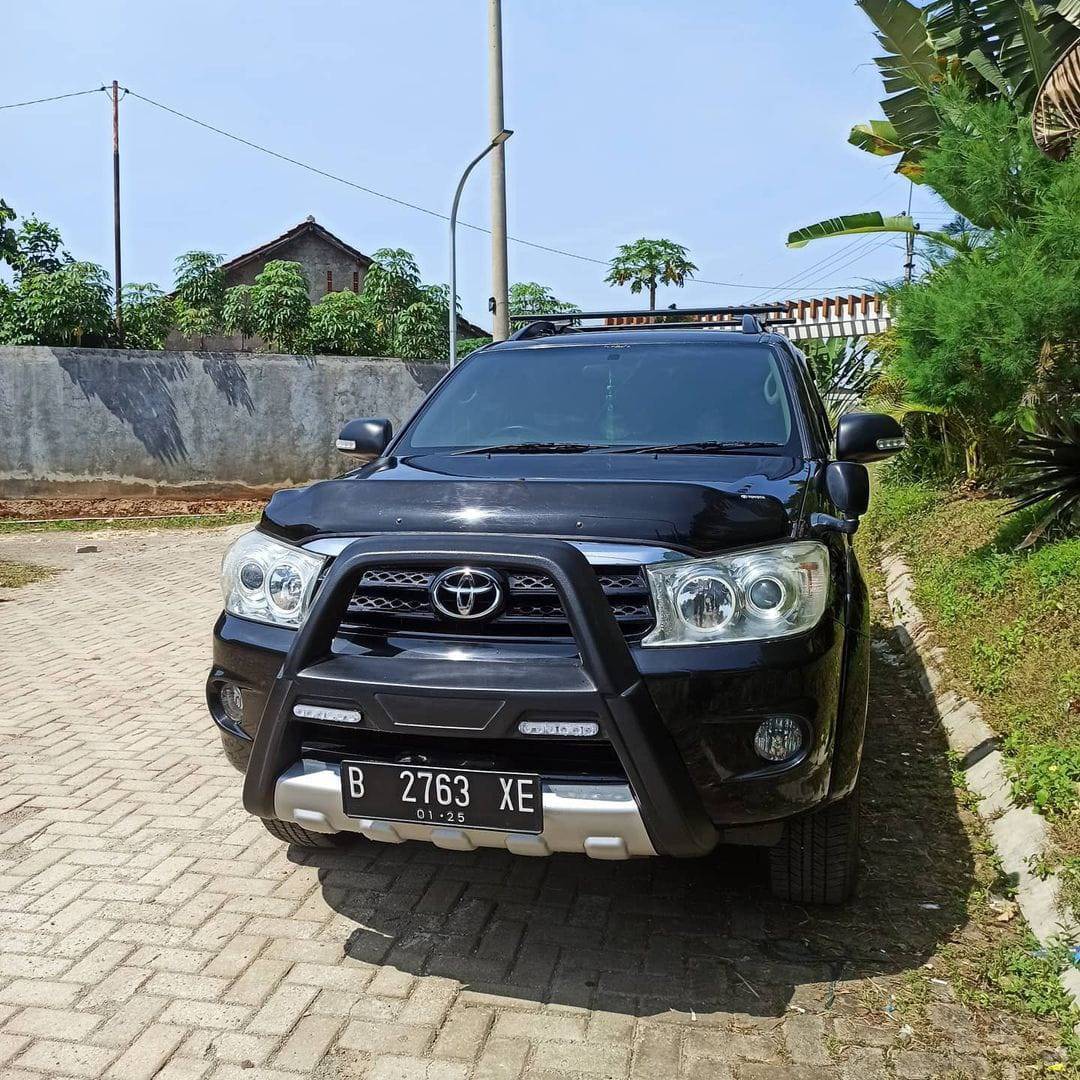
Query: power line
795 280
55 97
868 251
403 202
762 289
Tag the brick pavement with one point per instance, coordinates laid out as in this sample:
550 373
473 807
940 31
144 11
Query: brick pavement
149 928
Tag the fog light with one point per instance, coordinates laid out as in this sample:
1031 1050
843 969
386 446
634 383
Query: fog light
558 727
232 701
334 716
779 738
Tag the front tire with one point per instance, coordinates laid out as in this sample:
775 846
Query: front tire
817 861
298 836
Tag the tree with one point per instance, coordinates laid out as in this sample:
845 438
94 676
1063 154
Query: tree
38 248
645 264
8 242
339 324
200 292
199 280
422 329
237 316
69 306
280 304
391 284
995 49
532 298
35 247
148 316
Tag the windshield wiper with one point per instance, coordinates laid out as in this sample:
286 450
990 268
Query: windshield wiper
696 447
535 448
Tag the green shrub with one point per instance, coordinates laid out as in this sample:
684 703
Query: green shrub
1043 775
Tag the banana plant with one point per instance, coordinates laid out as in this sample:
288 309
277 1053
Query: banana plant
872 221
1000 48
1055 119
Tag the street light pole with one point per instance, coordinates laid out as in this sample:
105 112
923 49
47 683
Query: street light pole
500 279
498 140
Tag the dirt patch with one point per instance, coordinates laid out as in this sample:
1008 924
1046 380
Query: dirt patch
55 509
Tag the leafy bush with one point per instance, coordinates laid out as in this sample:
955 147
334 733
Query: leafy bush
148 316
280 305
469 345
1045 776
339 324
69 306
532 298
200 292
237 316
986 332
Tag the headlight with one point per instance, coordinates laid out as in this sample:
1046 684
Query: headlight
765 593
267 580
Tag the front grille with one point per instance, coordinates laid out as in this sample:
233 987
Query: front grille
396 600
553 758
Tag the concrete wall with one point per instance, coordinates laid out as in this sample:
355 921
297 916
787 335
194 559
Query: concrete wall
100 422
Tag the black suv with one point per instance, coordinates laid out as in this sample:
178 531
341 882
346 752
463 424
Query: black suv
598 596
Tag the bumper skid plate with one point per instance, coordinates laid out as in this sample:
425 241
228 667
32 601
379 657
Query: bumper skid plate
598 820
658 812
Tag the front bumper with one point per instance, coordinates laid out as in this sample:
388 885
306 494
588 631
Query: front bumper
598 820
676 719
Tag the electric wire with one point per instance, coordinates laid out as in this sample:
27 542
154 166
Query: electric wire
127 91
55 97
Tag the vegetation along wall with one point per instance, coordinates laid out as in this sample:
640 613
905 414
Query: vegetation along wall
99 422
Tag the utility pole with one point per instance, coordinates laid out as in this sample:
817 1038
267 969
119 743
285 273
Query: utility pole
500 281
117 278
909 240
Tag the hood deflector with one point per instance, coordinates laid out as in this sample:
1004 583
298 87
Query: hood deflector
696 518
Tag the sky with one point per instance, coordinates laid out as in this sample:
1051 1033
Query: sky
720 124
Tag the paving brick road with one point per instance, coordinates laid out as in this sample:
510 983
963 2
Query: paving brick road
149 928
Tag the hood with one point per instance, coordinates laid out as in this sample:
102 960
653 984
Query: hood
695 503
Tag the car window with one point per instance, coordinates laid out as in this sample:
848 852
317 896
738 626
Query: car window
610 395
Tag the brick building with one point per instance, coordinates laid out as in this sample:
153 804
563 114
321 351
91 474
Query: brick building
331 265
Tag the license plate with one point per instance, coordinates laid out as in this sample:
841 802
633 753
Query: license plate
467 798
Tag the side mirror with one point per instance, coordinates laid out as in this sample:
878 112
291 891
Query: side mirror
866 437
366 437
848 486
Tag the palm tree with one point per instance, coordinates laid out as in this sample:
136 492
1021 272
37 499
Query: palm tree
645 264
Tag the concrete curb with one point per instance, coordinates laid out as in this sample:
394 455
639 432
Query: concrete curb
1018 833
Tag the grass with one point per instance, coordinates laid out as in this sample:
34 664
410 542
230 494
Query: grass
181 521
1024 976
1009 621
14 575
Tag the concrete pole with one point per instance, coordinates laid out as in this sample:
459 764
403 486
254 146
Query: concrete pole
500 281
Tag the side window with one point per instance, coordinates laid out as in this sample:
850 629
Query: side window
819 417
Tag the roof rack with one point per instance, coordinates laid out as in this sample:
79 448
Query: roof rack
750 319
637 313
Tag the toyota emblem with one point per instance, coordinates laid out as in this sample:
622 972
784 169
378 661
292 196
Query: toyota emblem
464 593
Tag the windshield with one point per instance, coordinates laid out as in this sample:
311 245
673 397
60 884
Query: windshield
601 396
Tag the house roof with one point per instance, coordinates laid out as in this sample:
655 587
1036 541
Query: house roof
308 225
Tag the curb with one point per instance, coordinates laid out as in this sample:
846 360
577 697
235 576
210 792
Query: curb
1018 833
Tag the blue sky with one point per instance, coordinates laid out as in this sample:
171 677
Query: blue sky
721 125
